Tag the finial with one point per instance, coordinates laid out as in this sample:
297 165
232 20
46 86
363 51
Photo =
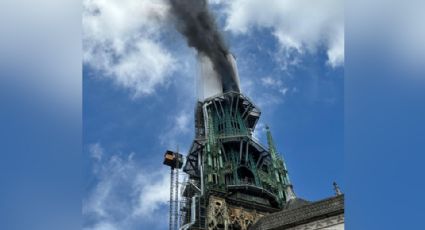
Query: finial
336 189
267 127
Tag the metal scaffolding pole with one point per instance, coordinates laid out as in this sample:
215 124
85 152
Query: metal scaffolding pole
172 175
174 160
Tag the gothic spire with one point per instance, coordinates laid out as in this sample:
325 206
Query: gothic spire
288 189
270 142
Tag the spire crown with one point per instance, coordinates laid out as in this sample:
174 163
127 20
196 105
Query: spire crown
270 142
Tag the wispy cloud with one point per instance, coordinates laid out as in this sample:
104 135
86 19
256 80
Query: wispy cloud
126 195
300 26
274 83
260 131
268 91
121 41
96 151
179 126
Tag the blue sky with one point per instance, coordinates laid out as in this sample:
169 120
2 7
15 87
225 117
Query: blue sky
40 97
139 96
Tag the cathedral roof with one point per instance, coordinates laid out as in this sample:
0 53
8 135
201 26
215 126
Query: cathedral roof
295 203
301 211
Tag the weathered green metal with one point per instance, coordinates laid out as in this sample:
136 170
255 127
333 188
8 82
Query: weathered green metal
232 164
279 169
231 158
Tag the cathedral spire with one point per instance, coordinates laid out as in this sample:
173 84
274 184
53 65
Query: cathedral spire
280 169
270 142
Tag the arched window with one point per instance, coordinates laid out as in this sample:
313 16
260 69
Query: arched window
245 176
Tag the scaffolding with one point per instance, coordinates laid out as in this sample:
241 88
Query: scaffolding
174 199
175 161
193 206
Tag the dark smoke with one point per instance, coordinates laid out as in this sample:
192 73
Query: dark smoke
197 24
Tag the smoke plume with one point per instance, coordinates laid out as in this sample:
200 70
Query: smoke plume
197 24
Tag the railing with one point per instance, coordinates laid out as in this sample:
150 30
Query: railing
248 182
254 139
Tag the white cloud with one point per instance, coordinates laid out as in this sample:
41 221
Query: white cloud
269 81
103 226
153 192
126 195
264 99
273 83
336 49
260 131
182 122
178 126
299 25
215 2
283 91
121 41
96 151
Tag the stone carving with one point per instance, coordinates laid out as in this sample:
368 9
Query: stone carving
217 214
241 218
225 217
